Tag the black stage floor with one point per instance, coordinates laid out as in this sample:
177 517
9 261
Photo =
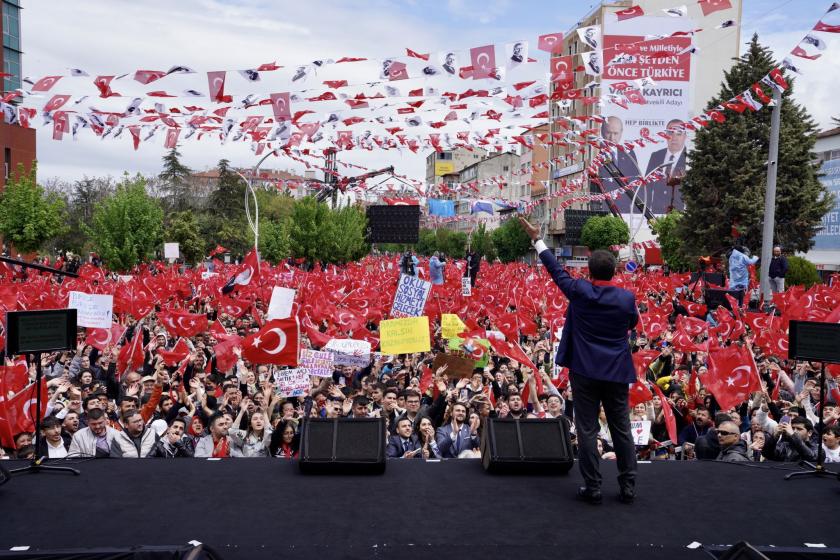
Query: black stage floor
252 508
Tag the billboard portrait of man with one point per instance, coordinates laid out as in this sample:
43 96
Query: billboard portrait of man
624 161
662 196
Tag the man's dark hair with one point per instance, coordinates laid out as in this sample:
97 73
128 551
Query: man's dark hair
214 417
410 393
361 400
601 265
802 421
722 417
403 419
178 419
125 398
835 429
393 390
50 422
88 399
95 414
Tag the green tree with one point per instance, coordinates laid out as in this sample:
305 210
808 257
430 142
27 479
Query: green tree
184 229
801 272
274 244
304 229
482 243
666 229
427 242
344 236
175 182
726 183
511 241
127 226
602 232
228 199
28 215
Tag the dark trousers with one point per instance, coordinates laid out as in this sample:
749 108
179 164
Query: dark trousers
588 394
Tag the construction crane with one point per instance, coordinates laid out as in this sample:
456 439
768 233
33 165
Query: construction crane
332 188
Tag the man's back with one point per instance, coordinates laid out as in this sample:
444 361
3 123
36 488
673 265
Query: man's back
594 341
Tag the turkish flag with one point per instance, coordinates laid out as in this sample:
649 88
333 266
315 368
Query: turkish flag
249 273
216 84
630 13
639 393
776 75
15 377
281 106
131 354
148 76
181 323
397 71
668 412
712 6
513 351
413 54
275 343
172 137
21 408
819 27
551 43
56 102
47 82
102 338
691 325
223 350
483 61
732 376
176 355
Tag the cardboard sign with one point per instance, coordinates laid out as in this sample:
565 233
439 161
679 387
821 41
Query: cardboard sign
451 325
280 306
92 310
404 336
458 366
171 251
466 287
291 382
410 297
319 364
641 431
349 352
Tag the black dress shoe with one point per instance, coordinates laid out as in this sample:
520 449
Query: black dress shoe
589 496
627 495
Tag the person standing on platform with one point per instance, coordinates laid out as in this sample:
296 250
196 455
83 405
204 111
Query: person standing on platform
436 269
778 270
739 274
473 264
596 350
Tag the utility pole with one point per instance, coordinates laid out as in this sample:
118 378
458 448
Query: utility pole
770 197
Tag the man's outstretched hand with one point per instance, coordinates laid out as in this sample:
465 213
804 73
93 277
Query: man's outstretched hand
532 231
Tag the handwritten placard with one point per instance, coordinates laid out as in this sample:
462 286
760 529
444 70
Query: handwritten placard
92 310
349 352
410 297
404 336
317 363
641 431
291 382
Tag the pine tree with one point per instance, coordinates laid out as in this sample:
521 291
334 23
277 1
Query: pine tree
175 182
228 199
726 182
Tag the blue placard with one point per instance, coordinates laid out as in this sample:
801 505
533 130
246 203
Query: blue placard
828 236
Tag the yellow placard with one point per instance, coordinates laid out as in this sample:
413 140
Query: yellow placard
404 336
444 167
451 325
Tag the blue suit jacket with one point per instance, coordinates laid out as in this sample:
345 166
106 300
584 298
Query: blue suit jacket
395 447
594 342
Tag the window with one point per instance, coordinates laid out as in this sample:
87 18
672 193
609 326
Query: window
505 168
11 45
444 156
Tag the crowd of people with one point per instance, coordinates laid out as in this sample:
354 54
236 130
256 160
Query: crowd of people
207 406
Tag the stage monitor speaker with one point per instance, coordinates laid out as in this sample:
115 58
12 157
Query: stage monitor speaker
717 298
393 224
343 446
531 446
745 551
175 552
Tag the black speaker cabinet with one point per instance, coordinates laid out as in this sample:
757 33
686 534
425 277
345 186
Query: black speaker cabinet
393 224
343 446
530 446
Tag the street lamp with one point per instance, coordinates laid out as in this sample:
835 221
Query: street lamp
250 194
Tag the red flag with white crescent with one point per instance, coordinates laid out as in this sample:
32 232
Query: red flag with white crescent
275 343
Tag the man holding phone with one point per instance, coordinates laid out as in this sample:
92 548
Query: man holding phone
404 445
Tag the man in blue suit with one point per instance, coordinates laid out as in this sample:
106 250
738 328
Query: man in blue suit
457 436
405 444
595 348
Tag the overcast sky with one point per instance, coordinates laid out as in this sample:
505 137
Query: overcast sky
117 36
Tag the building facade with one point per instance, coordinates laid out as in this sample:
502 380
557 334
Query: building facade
826 251
685 80
497 177
17 143
444 166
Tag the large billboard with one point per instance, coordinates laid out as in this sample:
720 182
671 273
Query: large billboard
666 106
828 237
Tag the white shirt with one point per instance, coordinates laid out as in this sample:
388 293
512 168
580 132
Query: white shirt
57 452
831 455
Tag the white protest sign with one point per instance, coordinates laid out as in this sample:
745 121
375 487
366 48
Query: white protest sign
641 431
410 297
92 310
319 364
466 287
171 251
349 352
280 306
291 382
